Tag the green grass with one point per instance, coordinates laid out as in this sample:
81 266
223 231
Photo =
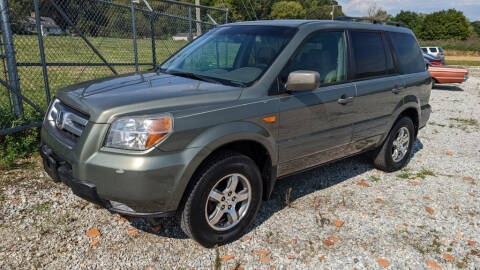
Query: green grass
471 44
65 49
403 175
424 173
461 63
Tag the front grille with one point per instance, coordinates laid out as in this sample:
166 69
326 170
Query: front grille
66 123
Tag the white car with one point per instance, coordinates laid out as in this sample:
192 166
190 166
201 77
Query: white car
434 51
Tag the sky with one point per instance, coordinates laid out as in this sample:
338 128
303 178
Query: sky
358 8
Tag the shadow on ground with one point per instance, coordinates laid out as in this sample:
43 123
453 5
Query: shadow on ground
447 87
301 184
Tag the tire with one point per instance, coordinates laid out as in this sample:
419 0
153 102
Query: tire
384 156
218 173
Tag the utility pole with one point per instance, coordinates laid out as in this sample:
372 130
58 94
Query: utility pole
333 11
199 25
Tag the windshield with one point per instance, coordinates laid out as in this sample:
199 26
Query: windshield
236 55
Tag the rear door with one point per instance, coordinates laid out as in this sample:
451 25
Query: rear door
316 126
378 86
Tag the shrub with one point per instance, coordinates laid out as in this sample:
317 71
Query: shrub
20 144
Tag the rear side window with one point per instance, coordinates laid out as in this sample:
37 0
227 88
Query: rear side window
440 50
433 49
369 54
409 56
425 50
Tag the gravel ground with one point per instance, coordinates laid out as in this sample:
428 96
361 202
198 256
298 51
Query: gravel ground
346 215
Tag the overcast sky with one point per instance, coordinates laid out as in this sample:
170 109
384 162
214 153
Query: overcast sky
471 8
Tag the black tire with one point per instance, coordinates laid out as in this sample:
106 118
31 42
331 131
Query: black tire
193 220
383 159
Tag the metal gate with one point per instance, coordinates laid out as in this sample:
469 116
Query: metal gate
54 43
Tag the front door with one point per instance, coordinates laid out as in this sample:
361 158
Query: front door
316 126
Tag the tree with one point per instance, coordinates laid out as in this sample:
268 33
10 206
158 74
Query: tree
411 19
287 10
377 12
445 24
476 27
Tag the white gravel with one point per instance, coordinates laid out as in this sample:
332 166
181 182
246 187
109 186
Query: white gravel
385 217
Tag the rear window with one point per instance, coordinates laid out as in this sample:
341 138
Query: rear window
369 54
433 49
425 50
409 56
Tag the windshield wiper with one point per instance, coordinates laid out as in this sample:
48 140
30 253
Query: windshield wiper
205 78
194 76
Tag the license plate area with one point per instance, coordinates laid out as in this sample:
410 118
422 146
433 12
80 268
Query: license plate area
50 164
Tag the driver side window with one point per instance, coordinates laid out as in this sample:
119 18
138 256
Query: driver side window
323 52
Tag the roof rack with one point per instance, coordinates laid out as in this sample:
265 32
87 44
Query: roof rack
368 19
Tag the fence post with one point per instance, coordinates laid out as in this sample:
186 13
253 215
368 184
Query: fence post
226 16
42 51
190 35
10 55
152 29
134 30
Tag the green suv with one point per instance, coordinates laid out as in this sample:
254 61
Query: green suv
206 135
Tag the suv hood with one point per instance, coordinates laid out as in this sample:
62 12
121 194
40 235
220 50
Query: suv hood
142 93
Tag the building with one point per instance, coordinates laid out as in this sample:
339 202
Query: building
47 25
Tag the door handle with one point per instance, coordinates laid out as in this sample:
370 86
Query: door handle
397 89
344 100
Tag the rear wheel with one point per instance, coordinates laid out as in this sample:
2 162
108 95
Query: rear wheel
396 149
224 200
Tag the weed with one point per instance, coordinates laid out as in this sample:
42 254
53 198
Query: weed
403 175
470 122
287 197
218 261
375 178
40 207
423 174
449 249
269 234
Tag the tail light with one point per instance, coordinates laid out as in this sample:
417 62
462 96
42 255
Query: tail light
438 54
436 63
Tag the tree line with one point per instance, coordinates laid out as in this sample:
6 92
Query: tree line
444 24
96 18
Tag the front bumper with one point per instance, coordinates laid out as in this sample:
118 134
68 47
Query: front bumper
61 171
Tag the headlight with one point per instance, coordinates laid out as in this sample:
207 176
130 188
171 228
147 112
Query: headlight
139 133
53 110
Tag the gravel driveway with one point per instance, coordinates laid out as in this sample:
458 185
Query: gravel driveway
346 215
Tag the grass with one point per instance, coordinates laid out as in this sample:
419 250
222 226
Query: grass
471 44
287 197
423 174
65 49
375 178
403 175
469 122
461 63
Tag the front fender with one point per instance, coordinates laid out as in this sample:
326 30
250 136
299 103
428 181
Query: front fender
215 137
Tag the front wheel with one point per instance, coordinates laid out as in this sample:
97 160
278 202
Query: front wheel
396 149
224 200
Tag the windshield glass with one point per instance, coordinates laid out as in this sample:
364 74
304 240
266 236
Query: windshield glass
236 55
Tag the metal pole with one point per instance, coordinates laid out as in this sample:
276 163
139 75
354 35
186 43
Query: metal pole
226 16
197 13
42 51
134 30
154 50
190 35
10 55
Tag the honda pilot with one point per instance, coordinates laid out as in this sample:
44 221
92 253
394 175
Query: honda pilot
206 135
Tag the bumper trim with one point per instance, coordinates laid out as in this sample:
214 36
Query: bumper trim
61 171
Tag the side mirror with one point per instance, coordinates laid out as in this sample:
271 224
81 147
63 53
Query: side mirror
303 80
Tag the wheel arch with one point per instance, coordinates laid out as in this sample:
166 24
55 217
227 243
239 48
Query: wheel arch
245 138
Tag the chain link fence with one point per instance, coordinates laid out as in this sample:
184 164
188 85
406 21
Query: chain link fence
56 43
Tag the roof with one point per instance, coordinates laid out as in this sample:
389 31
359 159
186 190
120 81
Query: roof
344 24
